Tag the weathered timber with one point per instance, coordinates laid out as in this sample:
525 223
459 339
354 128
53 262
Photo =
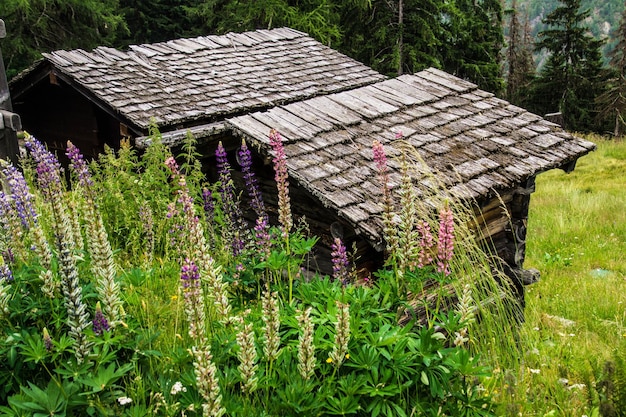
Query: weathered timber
10 122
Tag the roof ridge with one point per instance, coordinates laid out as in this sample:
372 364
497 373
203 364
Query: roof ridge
185 45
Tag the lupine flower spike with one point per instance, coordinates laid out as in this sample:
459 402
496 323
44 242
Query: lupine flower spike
306 349
340 262
282 182
247 358
21 196
342 334
467 316
389 227
445 245
229 201
47 340
256 199
426 244
100 323
103 265
271 319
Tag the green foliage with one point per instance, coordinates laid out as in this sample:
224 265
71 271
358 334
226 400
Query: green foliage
145 365
573 76
35 26
575 320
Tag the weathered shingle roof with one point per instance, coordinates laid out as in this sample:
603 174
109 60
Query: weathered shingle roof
206 78
474 143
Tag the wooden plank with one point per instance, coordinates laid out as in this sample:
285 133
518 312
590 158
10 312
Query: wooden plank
353 103
420 95
307 129
334 110
377 106
447 80
288 131
251 127
387 90
309 114
426 86
392 99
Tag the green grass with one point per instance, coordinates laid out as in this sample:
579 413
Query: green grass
576 314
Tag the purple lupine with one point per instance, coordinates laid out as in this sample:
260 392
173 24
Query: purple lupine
47 340
79 166
340 261
48 169
445 243
100 324
5 273
20 193
426 244
194 303
208 205
261 232
256 199
226 182
282 182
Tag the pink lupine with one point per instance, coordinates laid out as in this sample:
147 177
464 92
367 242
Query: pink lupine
426 244
340 261
282 182
445 244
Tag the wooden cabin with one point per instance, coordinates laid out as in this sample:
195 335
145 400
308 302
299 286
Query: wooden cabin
95 98
328 108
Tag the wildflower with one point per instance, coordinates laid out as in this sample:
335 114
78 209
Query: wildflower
426 243
5 297
124 400
229 203
47 340
194 300
207 382
147 222
534 371
329 360
407 234
271 319
79 166
282 182
177 387
389 226
247 358
264 244
256 199
306 349
48 168
209 208
445 244
342 333
100 323
5 273
21 196
77 317
340 261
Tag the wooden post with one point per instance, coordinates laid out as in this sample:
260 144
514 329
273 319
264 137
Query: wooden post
10 123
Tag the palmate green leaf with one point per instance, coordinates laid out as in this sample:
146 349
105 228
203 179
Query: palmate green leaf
105 377
342 406
50 402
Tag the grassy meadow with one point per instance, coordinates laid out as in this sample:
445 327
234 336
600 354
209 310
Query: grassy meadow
576 315
130 286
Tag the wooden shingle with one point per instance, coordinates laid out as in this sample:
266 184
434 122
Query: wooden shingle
475 144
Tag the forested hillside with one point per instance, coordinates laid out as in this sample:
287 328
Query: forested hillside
603 20
548 56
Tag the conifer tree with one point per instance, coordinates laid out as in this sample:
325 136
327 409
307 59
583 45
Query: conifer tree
572 77
521 67
612 103
472 49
